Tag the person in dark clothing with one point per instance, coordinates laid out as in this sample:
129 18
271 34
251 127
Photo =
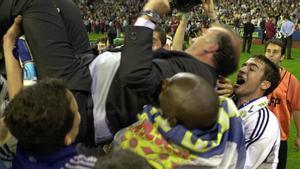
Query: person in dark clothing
59 45
247 37
111 34
263 30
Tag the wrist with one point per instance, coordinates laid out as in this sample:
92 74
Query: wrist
213 18
152 8
8 45
212 15
185 17
9 41
150 15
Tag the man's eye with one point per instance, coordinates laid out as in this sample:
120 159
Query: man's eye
252 68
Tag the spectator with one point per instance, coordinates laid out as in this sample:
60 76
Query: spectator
159 38
237 23
287 29
192 128
284 101
45 120
262 25
111 34
102 45
247 37
270 28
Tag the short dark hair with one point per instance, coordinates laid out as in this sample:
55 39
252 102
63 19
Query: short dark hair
102 40
162 35
226 57
122 159
271 72
39 116
276 42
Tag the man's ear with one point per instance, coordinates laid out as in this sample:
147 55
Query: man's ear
68 139
265 85
282 57
213 47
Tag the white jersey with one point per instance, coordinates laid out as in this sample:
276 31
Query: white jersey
262 135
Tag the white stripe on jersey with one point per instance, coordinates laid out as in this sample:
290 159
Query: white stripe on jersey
81 162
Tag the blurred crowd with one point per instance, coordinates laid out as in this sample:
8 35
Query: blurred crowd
98 18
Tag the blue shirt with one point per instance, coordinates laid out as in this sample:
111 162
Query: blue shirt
65 158
287 28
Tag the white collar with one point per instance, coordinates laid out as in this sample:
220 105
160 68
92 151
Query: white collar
253 106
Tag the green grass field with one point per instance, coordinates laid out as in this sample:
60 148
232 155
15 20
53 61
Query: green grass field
294 67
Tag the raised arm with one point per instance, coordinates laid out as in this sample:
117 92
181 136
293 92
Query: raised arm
180 32
13 69
209 8
137 71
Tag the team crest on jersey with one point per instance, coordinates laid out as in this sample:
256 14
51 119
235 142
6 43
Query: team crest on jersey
243 113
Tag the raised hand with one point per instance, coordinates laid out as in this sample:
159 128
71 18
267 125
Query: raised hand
10 37
224 87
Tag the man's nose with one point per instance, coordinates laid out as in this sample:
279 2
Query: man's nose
244 69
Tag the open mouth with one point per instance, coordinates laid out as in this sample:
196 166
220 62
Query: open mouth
240 81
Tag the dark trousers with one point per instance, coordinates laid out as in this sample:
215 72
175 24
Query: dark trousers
288 42
85 108
57 39
263 37
282 155
247 41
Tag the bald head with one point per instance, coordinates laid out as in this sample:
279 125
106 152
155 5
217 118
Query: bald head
219 47
189 100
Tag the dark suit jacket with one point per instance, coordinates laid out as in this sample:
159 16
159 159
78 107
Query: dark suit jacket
140 74
248 29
